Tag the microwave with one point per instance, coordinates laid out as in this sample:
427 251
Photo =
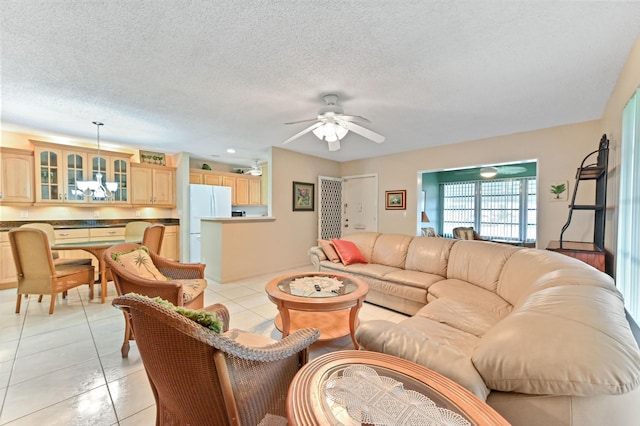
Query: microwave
238 214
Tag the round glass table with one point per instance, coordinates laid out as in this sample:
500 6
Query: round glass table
327 301
393 390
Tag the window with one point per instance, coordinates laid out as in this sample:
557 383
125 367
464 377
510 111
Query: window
497 209
628 250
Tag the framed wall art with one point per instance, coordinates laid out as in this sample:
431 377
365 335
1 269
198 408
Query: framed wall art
303 196
148 157
395 200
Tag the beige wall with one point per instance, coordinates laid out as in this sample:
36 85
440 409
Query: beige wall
558 150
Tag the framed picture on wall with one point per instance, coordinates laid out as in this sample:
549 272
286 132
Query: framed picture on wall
395 200
303 196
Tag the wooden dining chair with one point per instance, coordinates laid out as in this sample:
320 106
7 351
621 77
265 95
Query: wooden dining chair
133 231
51 236
152 237
36 271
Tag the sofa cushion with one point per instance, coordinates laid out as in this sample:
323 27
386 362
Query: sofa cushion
413 278
469 318
329 250
429 255
565 340
370 269
349 253
479 262
437 346
365 242
391 250
518 276
469 294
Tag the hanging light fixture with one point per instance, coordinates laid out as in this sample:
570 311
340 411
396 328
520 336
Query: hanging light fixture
95 188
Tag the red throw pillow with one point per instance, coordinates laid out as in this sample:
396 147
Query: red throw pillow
348 252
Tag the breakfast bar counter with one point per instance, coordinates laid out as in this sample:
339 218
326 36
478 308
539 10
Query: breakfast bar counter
233 248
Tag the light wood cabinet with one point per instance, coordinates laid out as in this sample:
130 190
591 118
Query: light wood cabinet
58 168
245 189
7 266
153 185
16 176
114 169
170 243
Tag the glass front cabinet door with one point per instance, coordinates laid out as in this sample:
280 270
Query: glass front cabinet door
58 170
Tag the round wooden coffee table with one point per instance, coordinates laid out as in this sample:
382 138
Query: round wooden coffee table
333 308
309 403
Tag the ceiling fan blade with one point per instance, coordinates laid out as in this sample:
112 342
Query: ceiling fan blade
334 145
302 121
369 134
354 117
307 130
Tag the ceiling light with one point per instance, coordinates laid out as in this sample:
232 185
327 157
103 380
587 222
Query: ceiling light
330 132
95 188
231 150
488 172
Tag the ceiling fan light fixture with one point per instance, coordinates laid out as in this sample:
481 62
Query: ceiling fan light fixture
488 172
330 132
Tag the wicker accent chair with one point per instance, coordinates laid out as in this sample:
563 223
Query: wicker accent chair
200 377
51 236
152 237
36 271
466 233
172 291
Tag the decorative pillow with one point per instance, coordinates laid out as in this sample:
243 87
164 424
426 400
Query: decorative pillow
202 317
348 252
139 262
191 288
328 249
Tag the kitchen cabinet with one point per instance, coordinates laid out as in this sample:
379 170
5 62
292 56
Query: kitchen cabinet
153 185
170 246
7 266
58 168
16 176
246 190
114 168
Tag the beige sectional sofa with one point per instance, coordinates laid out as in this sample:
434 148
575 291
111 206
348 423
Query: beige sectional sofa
540 336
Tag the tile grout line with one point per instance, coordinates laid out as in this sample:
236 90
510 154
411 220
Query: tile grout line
104 374
15 354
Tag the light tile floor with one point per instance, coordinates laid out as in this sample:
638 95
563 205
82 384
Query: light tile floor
66 369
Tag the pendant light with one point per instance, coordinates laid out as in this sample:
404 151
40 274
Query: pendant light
95 188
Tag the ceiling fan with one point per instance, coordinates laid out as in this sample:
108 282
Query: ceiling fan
331 125
491 171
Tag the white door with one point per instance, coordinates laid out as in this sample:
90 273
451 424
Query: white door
360 204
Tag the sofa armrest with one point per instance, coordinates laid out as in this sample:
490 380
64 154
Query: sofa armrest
316 254
413 345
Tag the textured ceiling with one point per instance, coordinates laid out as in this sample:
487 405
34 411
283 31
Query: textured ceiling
202 76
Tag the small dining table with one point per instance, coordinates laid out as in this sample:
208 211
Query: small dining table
97 249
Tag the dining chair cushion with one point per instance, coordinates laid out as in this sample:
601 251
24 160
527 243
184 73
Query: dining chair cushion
138 262
191 288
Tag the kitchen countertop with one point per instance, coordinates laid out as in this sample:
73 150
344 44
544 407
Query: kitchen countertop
240 219
94 223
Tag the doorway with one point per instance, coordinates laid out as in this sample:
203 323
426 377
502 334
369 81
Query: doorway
348 204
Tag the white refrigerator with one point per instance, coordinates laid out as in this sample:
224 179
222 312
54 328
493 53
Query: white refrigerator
205 201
